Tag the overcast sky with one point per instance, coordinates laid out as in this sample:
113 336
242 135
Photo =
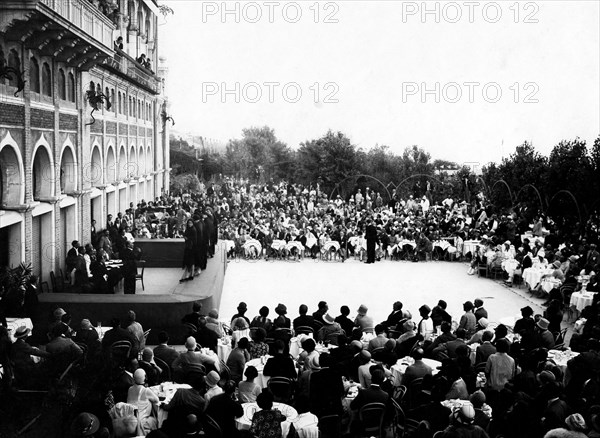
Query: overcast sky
501 73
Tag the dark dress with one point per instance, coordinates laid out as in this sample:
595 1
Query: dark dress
190 244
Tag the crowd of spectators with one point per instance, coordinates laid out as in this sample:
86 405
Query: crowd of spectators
514 387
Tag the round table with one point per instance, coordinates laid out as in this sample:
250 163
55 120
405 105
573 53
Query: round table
400 367
165 392
259 364
469 246
245 421
532 276
580 300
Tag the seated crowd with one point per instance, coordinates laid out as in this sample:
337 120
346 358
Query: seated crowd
492 380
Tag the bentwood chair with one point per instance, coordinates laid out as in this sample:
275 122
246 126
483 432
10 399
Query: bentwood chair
330 426
140 276
371 416
166 369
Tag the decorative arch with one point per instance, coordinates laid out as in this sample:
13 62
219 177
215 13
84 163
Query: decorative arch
68 168
96 169
111 165
12 172
42 170
122 164
573 198
141 160
149 166
512 202
536 192
132 162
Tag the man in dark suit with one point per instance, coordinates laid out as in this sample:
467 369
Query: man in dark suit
326 389
192 318
417 370
373 394
129 269
449 348
206 337
117 333
163 351
486 349
304 320
224 410
281 364
371 236
394 317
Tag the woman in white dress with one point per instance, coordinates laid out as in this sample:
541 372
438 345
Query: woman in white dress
144 400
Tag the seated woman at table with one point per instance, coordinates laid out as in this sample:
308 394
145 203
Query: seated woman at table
240 330
258 348
309 358
247 389
237 360
144 400
266 423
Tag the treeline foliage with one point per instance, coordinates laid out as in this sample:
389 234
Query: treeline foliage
570 173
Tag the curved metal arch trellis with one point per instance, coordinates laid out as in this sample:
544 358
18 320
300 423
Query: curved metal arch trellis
507 187
574 200
337 186
537 192
417 175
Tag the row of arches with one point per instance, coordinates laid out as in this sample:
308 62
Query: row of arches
44 174
108 169
40 79
100 170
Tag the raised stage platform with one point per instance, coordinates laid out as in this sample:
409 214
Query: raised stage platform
160 306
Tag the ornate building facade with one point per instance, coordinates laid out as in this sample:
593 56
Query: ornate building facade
83 130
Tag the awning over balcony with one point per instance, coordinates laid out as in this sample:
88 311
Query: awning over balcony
74 31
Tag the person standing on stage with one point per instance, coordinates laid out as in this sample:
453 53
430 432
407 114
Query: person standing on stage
371 236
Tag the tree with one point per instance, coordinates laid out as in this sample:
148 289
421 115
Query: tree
185 183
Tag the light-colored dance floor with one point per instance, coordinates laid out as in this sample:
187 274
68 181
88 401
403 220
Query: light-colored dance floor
377 285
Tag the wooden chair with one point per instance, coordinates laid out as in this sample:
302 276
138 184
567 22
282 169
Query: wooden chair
282 389
304 329
399 419
371 417
560 339
166 369
140 276
330 426
414 393
211 427
399 393
482 268
412 427
120 350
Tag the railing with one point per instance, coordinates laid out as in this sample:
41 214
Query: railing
134 70
86 17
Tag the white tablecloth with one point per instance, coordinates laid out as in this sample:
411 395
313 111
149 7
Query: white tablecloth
399 368
580 300
561 358
550 283
259 364
245 421
296 347
532 276
469 246
14 323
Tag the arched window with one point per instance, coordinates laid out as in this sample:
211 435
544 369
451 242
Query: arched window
139 108
46 80
14 62
98 89
71 88
119 104
112 100
129 110
34 75
62 85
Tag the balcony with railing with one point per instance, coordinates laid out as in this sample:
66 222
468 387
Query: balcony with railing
86 17
125 65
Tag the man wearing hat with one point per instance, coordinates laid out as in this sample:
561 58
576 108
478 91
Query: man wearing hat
87 425
242 308
89 336
25 369
545 339
462 423
213 323
362 320
330 330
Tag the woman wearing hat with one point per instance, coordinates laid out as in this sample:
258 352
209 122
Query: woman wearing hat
25 369
363 321
145 400
330 330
